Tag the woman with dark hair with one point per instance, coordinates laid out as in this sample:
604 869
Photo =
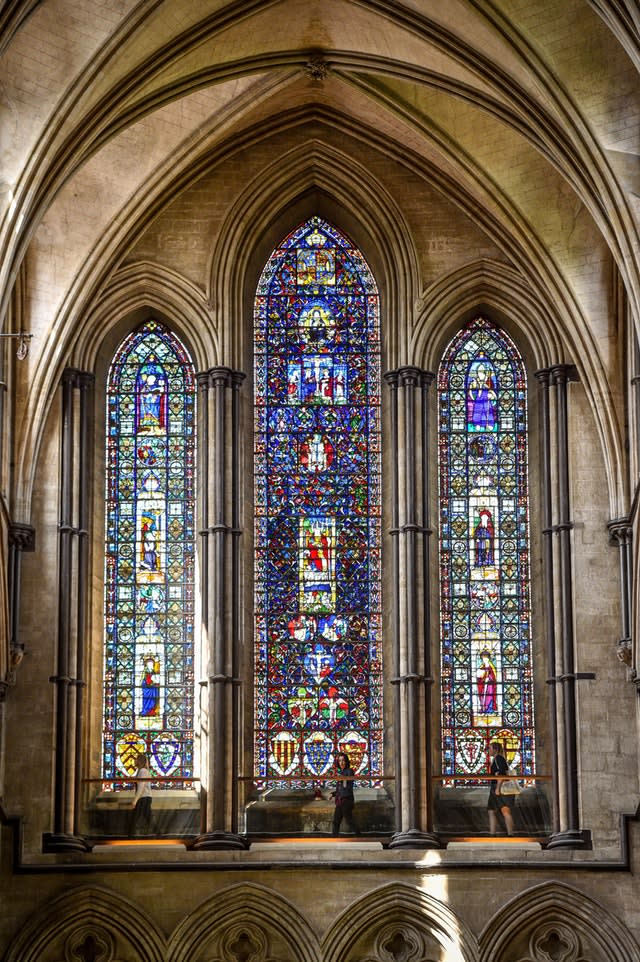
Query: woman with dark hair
344 796
497 801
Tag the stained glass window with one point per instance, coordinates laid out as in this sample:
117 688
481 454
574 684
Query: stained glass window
484 552
317 530
149 558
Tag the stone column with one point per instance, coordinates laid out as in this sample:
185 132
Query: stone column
391 377
544 379
410 482
22 537
621 533
73 535
219 530
569 835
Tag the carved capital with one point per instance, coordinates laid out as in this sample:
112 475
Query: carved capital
562 373
22 536
620 531
219 375
624 651
543 377
409 375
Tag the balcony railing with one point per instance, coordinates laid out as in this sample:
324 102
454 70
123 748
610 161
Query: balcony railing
304 807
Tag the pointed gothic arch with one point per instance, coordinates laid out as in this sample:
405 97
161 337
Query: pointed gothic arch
261 923
111 926
557 916
398 917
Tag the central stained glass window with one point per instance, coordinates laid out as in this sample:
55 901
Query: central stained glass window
484 553
318 671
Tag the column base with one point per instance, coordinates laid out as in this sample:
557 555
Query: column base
414 838
574 838
219 841
56 842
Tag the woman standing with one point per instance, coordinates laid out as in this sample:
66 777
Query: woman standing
344 796
142 798
497 801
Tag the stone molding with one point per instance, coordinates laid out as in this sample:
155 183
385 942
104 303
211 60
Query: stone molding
547 914
392 923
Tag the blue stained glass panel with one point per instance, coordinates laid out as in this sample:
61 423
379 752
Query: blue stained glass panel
486 669
317 533
149 577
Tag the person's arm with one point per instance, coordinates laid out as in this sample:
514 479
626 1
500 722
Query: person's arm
503 769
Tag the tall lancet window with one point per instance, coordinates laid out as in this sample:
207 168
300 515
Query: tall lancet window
318 672
149 574
484 552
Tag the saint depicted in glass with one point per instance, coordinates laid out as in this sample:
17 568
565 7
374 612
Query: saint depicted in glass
318 675
149 558
484 552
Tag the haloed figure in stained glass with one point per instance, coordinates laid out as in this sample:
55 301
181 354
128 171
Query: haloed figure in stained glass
149 539
316 453
150 685
487 681
152 401
481 396
483 535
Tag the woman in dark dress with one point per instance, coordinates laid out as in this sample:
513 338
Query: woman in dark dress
344 796
498 802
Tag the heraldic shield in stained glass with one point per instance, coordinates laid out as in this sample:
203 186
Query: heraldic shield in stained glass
149 558
317 475
484 553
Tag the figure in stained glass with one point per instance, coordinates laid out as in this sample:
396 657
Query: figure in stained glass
149 537
317 326
316 453
333 707
487 682
150 685
481 395
483 535
151 540
317 565
151 390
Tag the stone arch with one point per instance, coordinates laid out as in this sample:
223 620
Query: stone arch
258 212
536 323
398 922
135 287
555 915
113 926
249 916
144 285
489 282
